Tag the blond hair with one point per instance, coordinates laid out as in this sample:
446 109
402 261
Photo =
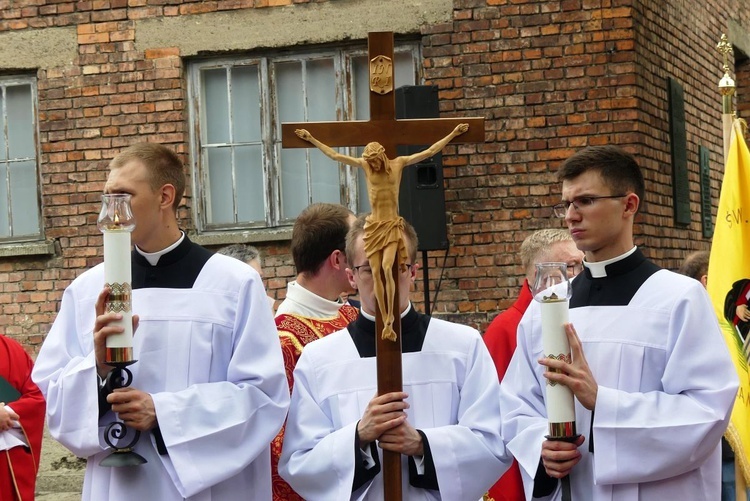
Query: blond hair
538 243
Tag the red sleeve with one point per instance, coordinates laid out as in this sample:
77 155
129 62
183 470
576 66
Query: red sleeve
291 354
16 366
291 351
741 299
500 339
31 406
509 487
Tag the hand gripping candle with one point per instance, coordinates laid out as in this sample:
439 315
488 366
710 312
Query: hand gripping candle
552 290
116 222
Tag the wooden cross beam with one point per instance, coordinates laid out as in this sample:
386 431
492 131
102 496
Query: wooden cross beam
384 128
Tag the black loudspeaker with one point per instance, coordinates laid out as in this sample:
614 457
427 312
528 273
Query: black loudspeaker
421 198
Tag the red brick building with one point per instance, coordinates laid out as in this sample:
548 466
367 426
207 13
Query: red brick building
214 79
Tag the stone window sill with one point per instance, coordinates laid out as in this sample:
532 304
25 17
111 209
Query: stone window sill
240 237
18 249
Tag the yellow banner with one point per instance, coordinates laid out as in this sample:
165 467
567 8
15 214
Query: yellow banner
729 263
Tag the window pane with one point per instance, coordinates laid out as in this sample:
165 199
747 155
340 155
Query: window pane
324 174
289 97
4 220
363 202
360 74
245 104
247 177
404 69
293 182
216 106
3 144
250 185
363 199
20 122
321 90
23 189
221 204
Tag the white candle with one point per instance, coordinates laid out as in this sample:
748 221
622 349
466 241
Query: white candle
117 275
560 403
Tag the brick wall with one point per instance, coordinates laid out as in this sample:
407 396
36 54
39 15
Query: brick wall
742 80
549 77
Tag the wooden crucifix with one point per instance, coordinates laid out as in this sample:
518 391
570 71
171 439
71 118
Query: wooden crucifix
385 132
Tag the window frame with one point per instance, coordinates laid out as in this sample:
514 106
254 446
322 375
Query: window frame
9 81
346 109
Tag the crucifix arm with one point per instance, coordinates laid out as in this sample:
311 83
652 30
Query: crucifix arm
327 150
435 148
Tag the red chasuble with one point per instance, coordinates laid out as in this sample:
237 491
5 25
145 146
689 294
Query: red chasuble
500 339
19 465
295 332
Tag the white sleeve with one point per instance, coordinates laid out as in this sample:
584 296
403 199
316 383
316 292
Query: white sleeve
686 420
214 430
522 400
65 371
317 460
470 456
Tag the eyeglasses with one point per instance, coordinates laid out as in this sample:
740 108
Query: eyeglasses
366 270
579 203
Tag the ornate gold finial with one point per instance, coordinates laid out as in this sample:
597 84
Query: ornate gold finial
726 49
726 84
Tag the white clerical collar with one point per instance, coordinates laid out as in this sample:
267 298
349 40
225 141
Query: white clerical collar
304 302
599 269
153 257
372 317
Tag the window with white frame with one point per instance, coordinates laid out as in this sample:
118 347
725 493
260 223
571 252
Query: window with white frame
242 176
19 178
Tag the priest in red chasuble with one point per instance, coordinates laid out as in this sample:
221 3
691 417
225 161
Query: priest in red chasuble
22 409
312 308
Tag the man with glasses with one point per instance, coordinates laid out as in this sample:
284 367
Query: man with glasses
548 245
653 380
312 308
446 421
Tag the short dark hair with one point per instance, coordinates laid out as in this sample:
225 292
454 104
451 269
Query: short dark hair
162 164
358 229
695 265
618 169
243 252
319 230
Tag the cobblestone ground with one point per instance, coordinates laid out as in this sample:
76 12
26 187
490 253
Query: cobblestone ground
58 496
60 473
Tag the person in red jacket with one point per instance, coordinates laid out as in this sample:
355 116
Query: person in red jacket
550 245
22 408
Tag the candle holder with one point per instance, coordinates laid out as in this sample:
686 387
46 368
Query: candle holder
116 222
116 433
552 290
